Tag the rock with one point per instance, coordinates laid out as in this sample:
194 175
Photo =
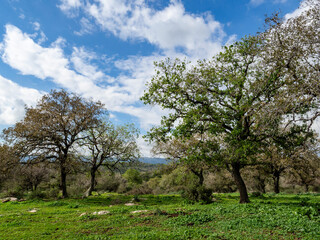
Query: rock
101 213
33 210
9 199
82 214
140 211
130 204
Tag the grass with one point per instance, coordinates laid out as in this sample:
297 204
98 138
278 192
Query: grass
167 217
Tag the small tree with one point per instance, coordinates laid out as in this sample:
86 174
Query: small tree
195 153
108 146
50 130
133 177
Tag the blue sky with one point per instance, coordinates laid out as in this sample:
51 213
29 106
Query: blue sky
105 49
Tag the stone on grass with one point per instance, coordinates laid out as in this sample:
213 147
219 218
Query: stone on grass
140 211
9 199
101 213
130 204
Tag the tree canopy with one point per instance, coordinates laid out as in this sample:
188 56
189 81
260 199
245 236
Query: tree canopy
50 130
246 94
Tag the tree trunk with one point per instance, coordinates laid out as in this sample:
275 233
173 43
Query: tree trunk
199 174
92 182
306 187
63 180
244 198
276 180
261 184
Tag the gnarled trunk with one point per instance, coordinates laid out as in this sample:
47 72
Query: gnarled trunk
244 198
92 182
276 182
199 174
63 180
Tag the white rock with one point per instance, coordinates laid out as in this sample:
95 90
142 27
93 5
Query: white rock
130 204
140 211
103 212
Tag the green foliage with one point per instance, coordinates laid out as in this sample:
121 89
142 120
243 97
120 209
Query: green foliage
197 194
133 177
37 194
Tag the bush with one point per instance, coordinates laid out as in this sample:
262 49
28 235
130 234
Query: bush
109 183
133 177
140 190
256 194
17 192
198 194
53 193
37 194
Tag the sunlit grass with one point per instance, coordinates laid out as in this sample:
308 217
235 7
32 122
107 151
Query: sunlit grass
163 217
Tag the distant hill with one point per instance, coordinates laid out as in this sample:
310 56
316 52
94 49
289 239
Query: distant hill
153 160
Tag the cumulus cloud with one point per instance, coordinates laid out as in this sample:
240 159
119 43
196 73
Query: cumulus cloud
304 6
13 99
70 6
76 73
168 28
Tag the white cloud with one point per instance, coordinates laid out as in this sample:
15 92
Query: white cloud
81 62
13 99
145 147
86 27
36 26
168 28
70 6
77 74
304 6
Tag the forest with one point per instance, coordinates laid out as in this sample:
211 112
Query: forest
241 128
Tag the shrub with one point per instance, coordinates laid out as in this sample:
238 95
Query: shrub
109 183
37 194
17 192
198 194
256 194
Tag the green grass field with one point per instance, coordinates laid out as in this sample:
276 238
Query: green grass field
163 217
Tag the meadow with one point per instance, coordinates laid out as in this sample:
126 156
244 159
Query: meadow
116 216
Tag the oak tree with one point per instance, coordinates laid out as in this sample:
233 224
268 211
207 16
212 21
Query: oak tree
109 145
235 96
50 130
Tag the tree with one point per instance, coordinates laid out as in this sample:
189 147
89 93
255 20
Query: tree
8 162
50 130
295 42
133 177
235 96
305 168
34 174
274 161
195 153
108 146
